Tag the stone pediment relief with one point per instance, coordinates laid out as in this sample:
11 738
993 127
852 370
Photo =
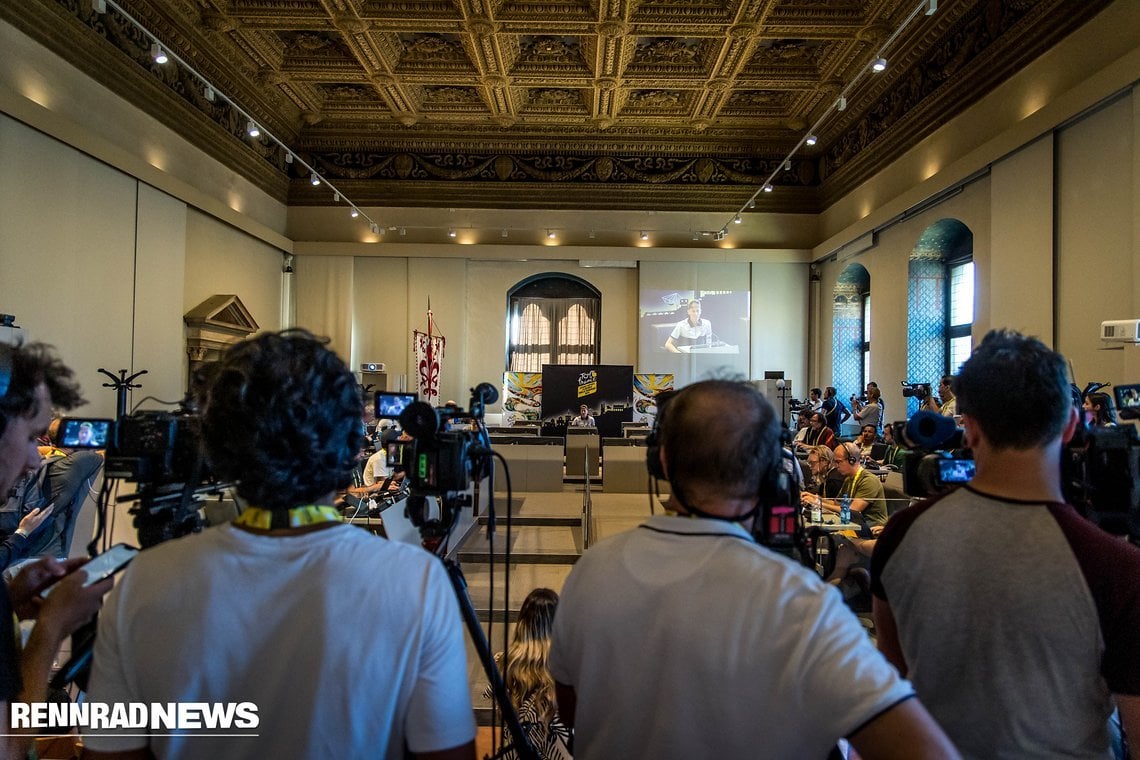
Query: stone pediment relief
214 325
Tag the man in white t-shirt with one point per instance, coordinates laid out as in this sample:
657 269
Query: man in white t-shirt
685 638
691 331
346 644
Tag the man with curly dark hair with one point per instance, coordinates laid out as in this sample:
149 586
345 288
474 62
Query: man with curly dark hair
259 610
32 378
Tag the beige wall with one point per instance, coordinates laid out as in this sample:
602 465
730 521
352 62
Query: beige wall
104 266
1096 254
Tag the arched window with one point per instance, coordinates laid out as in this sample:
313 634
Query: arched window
940 303
851 345
552 319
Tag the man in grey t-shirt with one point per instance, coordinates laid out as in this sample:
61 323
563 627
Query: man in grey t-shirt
1014 617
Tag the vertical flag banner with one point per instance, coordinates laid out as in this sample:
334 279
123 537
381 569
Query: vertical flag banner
522 397
429 359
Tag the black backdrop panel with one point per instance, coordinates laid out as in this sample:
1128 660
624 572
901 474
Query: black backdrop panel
606 388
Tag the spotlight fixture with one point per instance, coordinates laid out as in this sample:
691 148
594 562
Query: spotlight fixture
314 180
878 65
644 235
550 235
375 228
336 197
721 234
451 233
768 187
403 231
158 53
100 6
696 235
787 164
288 157
841 104
736 219
811 140
252 130
504 233
209 94
931 7
354 213
593 234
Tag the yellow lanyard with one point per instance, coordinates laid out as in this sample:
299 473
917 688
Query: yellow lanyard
854 483
297 517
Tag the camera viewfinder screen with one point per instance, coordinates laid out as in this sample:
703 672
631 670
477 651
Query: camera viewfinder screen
389 405
78 433
1127 401
956 470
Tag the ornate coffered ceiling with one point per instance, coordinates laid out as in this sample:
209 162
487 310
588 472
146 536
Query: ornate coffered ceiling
636 104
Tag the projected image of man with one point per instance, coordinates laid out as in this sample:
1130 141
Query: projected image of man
691 331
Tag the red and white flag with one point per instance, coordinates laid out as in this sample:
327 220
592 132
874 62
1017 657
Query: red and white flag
429 360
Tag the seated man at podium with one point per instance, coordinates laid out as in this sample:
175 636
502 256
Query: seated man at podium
584 418
692 331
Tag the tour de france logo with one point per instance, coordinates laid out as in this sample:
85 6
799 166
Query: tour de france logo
587 383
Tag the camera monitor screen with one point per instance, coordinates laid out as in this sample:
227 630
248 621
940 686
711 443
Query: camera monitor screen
956 470
1127 401
84 433
389 405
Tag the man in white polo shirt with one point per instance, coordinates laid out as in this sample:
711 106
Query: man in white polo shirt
685 638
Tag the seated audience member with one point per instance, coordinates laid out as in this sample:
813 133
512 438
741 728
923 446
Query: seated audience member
52 495
826 480
259 609
803 427
1099 411
529 684
946 404
818 433
863 489
868 437
1015 618
684 637
870 413
32 379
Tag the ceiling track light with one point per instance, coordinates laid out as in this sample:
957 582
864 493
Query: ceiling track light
158 53
931 7
696 235
879 65
451 233
314 180
504 233
736 219
841 104
550 235
288 157
100 6
721 234
336 197
354 213
252 130
768 188
209 94
644 235
752 202
403 231
375 228
787 164
811 140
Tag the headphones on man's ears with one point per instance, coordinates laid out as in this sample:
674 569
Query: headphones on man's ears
851 453
776 485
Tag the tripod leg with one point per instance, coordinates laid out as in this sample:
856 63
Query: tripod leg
499 689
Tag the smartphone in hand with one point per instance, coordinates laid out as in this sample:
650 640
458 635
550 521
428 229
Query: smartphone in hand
104 565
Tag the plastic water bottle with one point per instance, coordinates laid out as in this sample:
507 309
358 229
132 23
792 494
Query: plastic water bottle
816 511
845 509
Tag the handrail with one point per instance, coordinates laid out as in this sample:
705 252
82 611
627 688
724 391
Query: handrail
587 503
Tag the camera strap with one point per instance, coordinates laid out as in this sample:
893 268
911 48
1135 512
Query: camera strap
297 517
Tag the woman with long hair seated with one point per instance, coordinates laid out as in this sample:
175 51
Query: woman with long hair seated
530 686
